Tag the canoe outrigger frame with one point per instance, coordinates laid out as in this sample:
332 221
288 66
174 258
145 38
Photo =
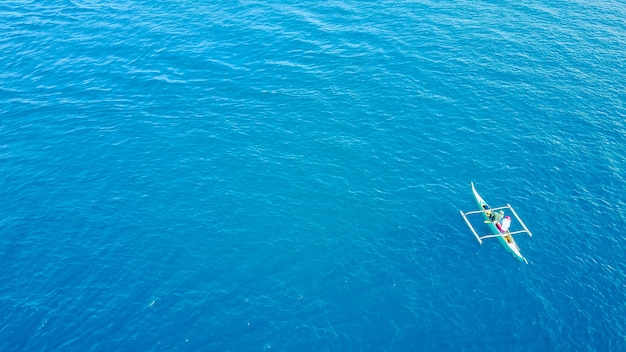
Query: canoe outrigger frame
481 238
504 237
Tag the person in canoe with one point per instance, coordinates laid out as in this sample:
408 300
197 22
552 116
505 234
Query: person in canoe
497 216
494 216
504 225
488 211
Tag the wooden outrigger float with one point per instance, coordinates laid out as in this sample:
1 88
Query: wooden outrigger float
492 219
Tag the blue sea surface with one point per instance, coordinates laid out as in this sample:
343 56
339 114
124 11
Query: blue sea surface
287 176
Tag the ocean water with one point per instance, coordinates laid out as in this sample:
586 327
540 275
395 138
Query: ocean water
287 176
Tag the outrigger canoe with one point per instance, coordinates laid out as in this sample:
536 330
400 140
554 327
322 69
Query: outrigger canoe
505 237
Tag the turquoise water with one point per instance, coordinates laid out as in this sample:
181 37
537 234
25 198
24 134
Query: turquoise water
282 176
